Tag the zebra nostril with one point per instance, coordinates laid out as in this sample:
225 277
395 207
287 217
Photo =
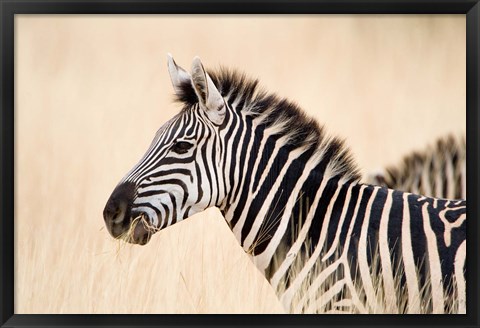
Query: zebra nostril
111 211
117 210
117 216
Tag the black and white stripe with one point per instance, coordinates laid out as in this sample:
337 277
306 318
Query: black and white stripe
437 171
292 197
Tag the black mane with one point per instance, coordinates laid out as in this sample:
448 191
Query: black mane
301 129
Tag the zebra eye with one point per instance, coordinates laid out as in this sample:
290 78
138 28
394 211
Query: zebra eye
181 147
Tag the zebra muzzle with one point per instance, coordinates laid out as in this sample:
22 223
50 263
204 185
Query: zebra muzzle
142 232
116 213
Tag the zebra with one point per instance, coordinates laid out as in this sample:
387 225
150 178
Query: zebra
291 194
437 171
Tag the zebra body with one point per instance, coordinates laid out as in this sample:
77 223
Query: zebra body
292 197
437 171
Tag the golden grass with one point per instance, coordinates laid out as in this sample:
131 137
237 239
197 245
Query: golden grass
97 274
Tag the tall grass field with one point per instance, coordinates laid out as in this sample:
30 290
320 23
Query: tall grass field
91 91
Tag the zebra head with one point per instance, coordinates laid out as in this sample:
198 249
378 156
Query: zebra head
178 175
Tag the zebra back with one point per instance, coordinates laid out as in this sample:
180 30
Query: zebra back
437 171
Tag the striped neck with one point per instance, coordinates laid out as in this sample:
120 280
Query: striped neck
275 177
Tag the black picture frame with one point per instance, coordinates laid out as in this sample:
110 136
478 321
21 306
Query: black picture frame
9 8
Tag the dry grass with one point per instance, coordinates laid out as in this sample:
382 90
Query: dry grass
92 90
76 273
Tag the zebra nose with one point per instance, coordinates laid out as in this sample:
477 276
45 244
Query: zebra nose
114 211
117 210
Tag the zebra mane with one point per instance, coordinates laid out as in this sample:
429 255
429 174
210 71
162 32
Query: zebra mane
282 117
434 158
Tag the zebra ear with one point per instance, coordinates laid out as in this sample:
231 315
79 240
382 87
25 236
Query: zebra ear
178 75
210 99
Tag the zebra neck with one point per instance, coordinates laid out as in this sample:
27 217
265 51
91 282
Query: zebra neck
280 190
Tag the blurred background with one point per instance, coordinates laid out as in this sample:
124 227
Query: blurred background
91 91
